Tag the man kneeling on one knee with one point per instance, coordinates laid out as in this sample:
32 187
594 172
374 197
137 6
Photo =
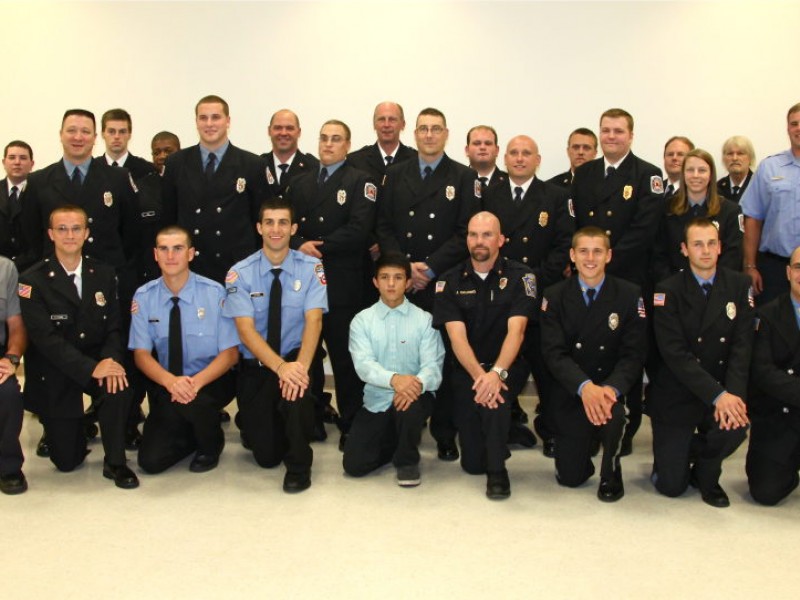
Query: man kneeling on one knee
399 356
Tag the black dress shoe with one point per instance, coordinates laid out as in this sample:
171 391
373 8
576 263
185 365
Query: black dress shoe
43 448
715 497
342 441
224 417
203 462
520 435
294 483
123 477
520 417
133 439
498 487
13 483
448 451
549 449
610 490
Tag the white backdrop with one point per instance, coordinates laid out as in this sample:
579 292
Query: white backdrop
703 69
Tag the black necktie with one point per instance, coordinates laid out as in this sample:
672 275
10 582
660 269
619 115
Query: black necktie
72 281
427 172
115 164
517 196
175 347
283 167
670 190
323 176
77 178
610 171
212 161
590 296
706 289
484 182
389 160
274 314
735 190
14 197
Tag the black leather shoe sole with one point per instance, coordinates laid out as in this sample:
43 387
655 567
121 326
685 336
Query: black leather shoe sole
13 484
123 477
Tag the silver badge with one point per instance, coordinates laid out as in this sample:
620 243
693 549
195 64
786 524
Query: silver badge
108 199
450 192
297 285
341 197
730 310
613 321
201 313
270 178
100 299
240 185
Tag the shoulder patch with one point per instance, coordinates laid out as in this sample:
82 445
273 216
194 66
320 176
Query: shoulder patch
370 191
134 307
477 188
571 208
319 271
24 291
741 222
656 184
529 281
440 286
659 299
231 276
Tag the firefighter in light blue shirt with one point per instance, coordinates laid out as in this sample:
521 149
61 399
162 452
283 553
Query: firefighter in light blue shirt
399 356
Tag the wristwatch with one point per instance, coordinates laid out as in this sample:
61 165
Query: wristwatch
501 372
13 359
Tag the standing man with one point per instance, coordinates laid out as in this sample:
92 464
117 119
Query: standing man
704 331
738 156
773 457
116 128
594 338
398 355
624 196
12 345
484 305
482 152
423 213
179 315
581 148
69 305
214 190
537 226
285 161
770 205
18 163
277 297
389 122
675 151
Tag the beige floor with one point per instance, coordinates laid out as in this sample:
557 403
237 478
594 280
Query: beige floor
232 533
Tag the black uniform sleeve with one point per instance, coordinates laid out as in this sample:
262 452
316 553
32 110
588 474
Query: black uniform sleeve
352 238
384 229
731 235
558 256
736 375
555 349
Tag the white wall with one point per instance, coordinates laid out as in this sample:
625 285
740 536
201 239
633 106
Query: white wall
703 69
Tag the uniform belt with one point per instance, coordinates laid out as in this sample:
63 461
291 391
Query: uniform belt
252 363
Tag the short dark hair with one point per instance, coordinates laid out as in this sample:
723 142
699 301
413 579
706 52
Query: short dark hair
79 112
703 222
618 113
275 203
18 144
213 99
68 208
486 127
583 131
341 124
792 110
680 138
432 112
592 232
116 114
171 230
165 135
393 259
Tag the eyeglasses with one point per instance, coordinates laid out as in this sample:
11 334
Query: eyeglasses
333 139
435 129
64 230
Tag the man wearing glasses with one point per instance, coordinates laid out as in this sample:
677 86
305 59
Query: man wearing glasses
69 306
334 209
423 213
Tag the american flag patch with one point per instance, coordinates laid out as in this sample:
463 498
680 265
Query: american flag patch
134 307
231 276
640 309
659 299
440 286
24 291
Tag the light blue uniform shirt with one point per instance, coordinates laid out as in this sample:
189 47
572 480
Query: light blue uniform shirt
385 341
773 197
205 332
83 167
304 288
219 153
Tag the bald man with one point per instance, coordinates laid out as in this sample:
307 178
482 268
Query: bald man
484 305
389 121
536 222
285 161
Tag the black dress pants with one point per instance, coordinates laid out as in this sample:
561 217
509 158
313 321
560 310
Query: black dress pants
773 456
11 410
